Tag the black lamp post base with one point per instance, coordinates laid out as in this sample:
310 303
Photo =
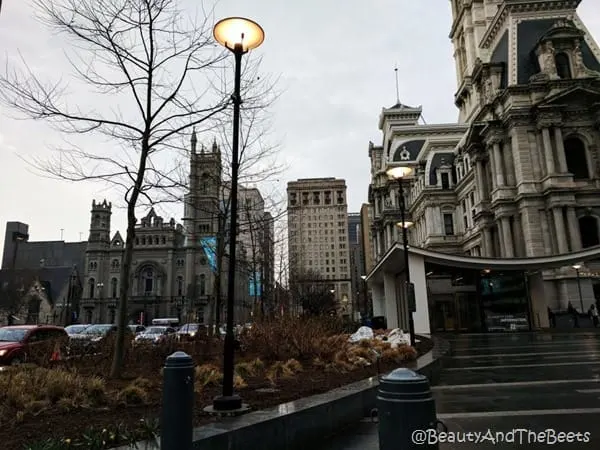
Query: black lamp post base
227 406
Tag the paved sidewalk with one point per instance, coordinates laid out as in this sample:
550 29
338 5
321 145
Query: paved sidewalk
501 382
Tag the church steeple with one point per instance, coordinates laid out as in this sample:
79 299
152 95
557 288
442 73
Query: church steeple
194 140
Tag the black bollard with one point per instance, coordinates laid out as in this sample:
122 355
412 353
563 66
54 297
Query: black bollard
406 411
178 403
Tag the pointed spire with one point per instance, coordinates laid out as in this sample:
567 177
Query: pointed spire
194 140
214 147
202 149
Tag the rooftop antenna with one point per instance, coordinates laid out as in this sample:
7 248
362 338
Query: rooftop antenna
61 233
397 86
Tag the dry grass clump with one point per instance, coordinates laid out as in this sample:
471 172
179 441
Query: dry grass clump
280 369
132 395
31 390
208 375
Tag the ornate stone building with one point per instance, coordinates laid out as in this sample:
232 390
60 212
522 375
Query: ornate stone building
174 265
518 175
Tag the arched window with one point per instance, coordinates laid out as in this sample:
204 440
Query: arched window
576 156
91 287
204 184
148 284
202 284
180 285
563 66
115 264
114 291
588 229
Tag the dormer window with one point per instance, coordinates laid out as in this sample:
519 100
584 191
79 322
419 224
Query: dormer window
445 180
563 66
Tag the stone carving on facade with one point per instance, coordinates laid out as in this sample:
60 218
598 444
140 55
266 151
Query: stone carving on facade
488 90
579 66
404 154
546 58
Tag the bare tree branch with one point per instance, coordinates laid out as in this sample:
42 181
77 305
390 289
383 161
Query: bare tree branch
142 74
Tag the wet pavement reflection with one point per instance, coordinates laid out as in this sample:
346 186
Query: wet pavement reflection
542 384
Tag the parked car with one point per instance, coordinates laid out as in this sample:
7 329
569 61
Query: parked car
76 329
155 335
91 339
189 330
17 341
137 329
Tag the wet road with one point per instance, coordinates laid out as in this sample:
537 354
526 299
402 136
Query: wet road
539 384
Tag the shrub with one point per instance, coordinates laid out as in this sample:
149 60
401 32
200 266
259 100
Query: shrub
288 337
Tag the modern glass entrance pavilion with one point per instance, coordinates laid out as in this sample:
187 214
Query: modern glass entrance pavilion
467 294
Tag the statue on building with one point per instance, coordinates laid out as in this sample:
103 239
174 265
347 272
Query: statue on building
579 66
488 90
548 61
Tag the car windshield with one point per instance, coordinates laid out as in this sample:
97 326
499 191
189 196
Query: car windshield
75 329
12 334
155 330
97 329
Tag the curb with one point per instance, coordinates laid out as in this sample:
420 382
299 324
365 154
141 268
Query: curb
309 420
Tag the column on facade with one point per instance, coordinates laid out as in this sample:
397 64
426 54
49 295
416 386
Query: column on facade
548 153
518 236
500 234
493 169
488 245
507 237
560 150
559 226
500 175
481 187
574 232
392 305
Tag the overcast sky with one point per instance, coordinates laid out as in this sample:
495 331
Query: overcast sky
336 62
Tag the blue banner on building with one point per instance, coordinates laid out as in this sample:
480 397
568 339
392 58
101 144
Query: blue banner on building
255 285
209 244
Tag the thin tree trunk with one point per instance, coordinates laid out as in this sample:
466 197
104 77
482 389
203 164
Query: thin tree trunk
117 362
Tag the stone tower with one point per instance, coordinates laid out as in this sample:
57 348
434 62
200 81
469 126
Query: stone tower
97 248
201 216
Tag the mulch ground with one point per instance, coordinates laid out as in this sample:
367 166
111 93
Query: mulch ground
69 425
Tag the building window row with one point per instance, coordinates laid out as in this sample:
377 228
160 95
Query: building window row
151 240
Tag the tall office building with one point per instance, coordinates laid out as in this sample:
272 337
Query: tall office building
318 236
357 266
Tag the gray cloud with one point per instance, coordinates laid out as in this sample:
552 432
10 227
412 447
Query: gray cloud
336 61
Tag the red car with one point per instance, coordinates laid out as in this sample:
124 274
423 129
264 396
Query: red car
16 340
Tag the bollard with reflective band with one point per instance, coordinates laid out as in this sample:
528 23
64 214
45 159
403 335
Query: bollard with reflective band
178 403
405 408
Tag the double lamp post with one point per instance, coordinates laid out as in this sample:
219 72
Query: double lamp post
238 35
398 174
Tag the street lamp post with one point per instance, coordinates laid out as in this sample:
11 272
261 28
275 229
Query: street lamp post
367 305
239 35
398 174
577 267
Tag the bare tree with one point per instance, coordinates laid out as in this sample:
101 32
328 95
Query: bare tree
313 293
15 286
152 72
